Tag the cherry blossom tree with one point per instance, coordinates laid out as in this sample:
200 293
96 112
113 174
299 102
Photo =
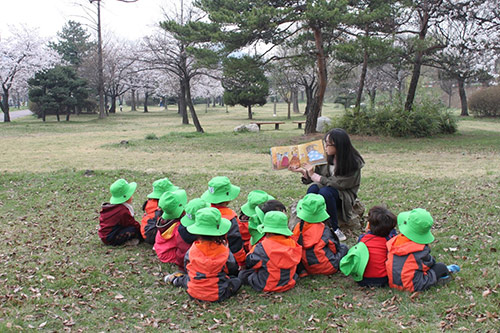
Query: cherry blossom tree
22 54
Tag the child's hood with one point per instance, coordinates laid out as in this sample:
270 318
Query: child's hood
109 210
396 247
213 255
311 234
283 252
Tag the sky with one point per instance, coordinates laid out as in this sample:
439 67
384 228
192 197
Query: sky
125 20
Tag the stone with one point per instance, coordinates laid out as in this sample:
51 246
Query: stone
322 124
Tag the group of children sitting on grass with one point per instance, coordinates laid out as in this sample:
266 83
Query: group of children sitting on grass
218 250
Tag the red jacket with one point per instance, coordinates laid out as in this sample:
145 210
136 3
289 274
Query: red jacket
208 265
233 236
321 251
377 248
115 215
149 219
275 262
408 265
166 242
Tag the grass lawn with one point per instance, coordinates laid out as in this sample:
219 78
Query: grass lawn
57 275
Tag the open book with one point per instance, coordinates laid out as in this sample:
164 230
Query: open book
311 152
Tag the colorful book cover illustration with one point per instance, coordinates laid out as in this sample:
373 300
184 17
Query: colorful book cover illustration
297 155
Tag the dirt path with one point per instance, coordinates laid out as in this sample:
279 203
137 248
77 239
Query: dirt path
19 114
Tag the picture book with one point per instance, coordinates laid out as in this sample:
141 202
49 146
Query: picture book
297 155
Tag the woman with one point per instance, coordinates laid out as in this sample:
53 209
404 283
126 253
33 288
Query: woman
338 180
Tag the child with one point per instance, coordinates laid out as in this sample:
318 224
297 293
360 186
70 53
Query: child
151 211
248 210
380 228
220 193
186 239
172 204
117 225
321 249
258 218
409 263
272 263
208 262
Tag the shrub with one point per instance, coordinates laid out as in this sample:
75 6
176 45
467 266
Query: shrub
426 119
485 102
151 136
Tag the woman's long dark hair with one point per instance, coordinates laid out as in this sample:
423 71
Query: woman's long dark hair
348 159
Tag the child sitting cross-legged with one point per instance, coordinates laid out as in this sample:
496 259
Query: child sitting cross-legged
209 262
372 253
321 249
272 263
219 194
172 204
151 211
117 225
409 263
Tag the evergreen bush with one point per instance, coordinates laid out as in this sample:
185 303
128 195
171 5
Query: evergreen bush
426 119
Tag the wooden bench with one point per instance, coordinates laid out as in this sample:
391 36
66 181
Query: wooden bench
299 123
276 123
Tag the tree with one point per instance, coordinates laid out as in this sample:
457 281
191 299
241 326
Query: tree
57 90
471 35
248 22
21 55
244 82
73 43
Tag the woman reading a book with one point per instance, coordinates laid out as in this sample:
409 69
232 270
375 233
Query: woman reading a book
338 180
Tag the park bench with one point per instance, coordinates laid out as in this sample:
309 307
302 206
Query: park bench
299 123
276 123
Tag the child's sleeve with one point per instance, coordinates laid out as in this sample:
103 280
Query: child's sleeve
232 265
235 242
254 259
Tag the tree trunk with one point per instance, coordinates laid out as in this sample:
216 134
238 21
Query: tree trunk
112 108
249 112
357 105
57 115
295 99
133 107
196 122
5 105
100 79
146 96
289 115
463 97
43 115
182 104
372 93
312 116
449 99
68 113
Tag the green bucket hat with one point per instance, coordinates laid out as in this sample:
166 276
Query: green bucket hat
161 186
312 208
191 208
172 204
121 191
220 190
209 222
275 222
416 225
355 261
253 224
255 198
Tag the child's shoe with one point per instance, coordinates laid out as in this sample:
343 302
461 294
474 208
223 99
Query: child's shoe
444 280
170 278
453 268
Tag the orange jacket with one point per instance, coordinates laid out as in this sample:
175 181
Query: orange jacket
321 251
408 265
274 261
208 265
233 236
149 219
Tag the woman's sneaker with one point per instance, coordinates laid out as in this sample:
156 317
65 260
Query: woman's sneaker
340 235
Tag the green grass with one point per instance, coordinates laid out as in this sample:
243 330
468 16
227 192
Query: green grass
57 275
